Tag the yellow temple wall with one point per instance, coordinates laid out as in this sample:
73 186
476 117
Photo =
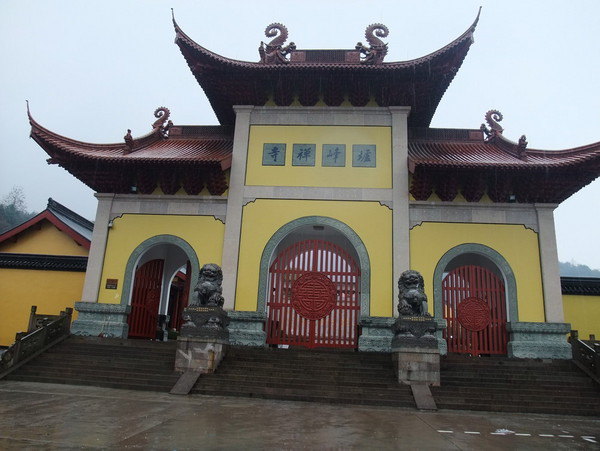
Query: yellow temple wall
318 175
203 233
51 291
583 312
371 221
47 240
518 245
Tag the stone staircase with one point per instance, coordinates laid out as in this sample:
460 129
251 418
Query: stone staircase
307 375
104 362
468 383
513 385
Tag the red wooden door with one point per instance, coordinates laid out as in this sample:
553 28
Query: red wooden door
474 304
145 300
314 297
181 299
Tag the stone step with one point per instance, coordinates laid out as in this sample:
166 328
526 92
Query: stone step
530 397
96 372
299 383
324 376
309 372
107 363
115 362
348 379
310 397
97 382
109 350
512 381
562 381
401 395
510 371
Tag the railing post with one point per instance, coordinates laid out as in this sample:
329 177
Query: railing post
69 311
31 325
574 335
573 340
16 351
596 347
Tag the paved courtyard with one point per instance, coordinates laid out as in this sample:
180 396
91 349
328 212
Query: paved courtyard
49 416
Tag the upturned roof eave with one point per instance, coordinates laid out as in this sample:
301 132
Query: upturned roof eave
182 37
54 144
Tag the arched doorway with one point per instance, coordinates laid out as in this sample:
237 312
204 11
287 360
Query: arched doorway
474 303
496 267
158 279
314 289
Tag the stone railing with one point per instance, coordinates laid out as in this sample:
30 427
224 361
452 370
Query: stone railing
32 343
586 355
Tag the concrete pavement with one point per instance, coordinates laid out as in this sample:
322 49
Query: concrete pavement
49 416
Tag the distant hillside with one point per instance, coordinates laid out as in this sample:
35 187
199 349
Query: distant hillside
576 270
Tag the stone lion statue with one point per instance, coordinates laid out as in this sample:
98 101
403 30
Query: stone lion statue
208 289
412 300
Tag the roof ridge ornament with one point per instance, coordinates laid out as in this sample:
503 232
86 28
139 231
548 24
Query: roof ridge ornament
128 141
494 133
378 50
162 124
492 117
522 147
274 52
160 127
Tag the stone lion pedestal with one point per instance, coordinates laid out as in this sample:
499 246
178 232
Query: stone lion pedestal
204 337
414 347
415 350
203 341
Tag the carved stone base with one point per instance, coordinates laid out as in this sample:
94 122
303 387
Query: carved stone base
416 326
376 335
98 319
417 363
539 340
247 328
206 322
202 355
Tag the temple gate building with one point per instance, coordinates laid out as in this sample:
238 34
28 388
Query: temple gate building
323 183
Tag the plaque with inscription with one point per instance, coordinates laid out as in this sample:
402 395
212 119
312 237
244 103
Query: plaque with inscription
334 155
273 154
111 284
364 155
303 154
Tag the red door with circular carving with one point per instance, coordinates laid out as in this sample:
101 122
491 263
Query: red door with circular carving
474 305
314 296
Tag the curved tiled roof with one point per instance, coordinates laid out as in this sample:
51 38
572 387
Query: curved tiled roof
446 148
419 83
209 144
188 157
452 161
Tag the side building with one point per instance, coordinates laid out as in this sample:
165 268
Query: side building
42 263
323 183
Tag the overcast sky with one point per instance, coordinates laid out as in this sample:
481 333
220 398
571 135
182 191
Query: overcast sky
92 69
